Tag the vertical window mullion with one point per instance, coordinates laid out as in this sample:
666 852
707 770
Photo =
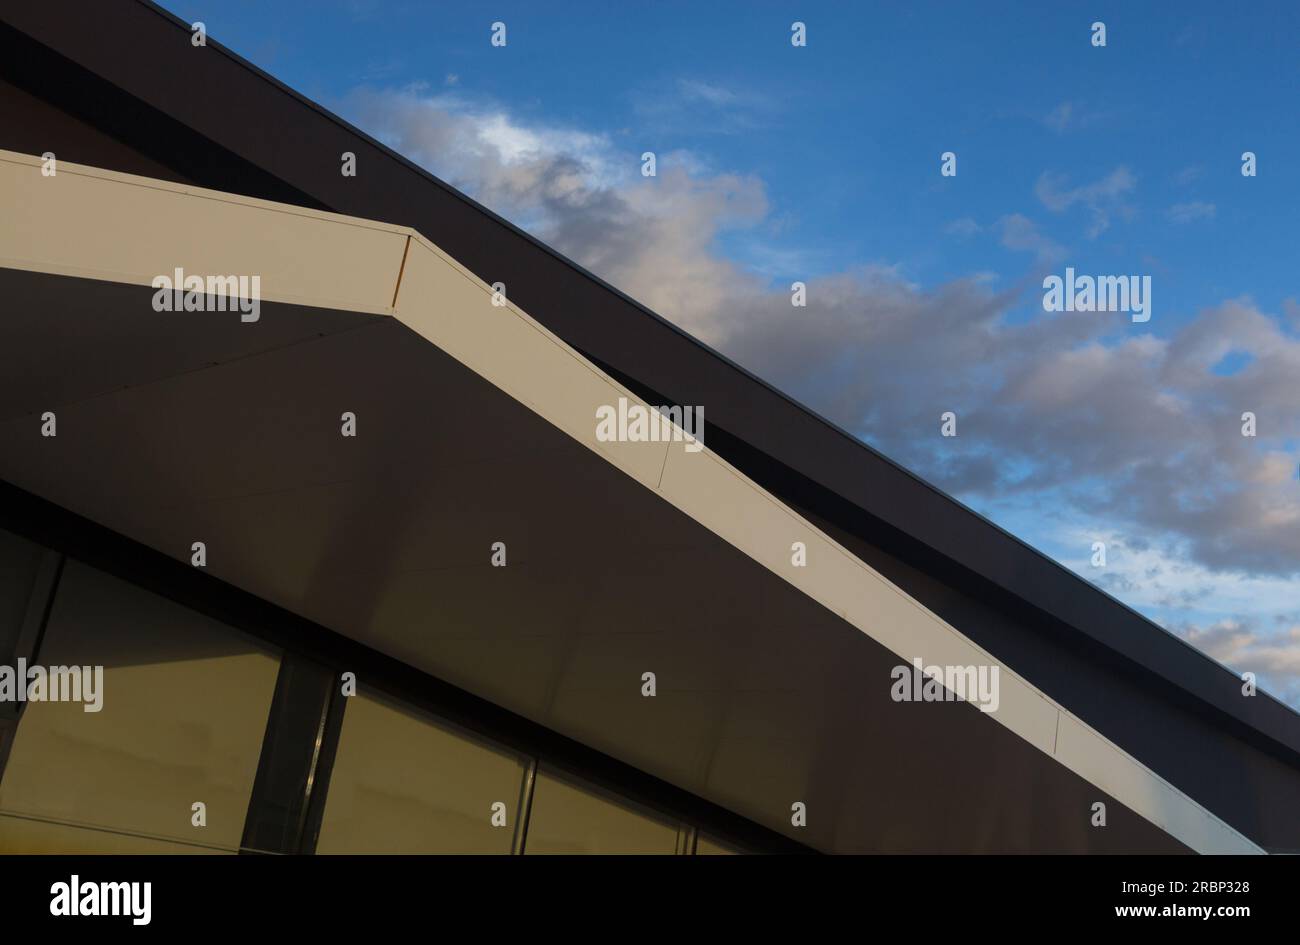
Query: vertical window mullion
525 808
297 750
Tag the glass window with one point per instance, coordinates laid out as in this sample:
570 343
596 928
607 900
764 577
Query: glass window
184 709
569 816
22 835
406 782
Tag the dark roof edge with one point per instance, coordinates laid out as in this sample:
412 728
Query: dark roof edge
967 538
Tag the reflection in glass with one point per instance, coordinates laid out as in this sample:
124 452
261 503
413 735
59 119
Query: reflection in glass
404 782
571 817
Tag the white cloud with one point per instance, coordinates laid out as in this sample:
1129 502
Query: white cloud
694 90
668 107
1191 211
1102 198
1058 119
1021 234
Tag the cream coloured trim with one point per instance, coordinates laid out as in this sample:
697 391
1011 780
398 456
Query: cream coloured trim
104 225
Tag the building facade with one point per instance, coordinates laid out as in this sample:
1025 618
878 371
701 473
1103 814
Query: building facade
365 570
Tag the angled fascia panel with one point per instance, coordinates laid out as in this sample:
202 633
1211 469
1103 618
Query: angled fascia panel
103 225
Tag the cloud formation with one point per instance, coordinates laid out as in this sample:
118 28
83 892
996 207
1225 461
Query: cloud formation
1191 211
1102 198
1084 413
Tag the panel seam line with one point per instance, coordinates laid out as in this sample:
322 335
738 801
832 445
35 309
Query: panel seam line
406 248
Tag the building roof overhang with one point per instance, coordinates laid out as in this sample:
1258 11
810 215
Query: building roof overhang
476 424
286 146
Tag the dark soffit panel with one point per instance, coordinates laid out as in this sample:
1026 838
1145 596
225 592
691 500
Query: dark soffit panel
387 546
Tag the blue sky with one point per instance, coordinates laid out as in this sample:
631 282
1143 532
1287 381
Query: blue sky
821 164
846 133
